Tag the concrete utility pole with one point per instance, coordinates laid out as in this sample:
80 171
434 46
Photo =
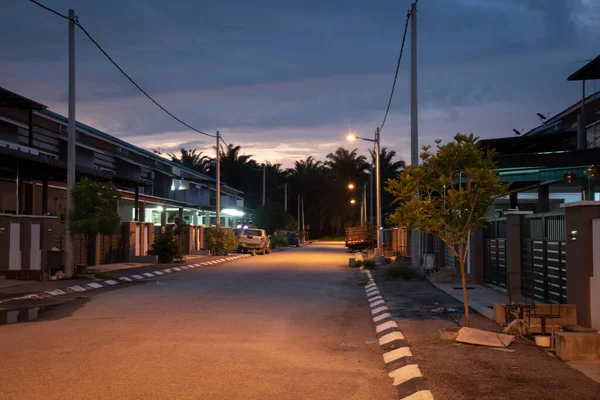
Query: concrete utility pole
303 226
218 179
264 183
70 147
414 124
299 217
378 250
285 197
371 197
364 205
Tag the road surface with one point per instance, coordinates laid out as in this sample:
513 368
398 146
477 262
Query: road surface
289 325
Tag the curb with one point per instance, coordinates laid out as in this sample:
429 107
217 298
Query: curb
398 359
124 279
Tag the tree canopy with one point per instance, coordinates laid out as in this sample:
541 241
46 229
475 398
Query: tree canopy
448 195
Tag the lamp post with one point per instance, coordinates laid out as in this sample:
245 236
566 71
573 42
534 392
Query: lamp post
352 137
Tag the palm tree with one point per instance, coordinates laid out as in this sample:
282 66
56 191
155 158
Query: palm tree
306 180
343 167
192 159
389 170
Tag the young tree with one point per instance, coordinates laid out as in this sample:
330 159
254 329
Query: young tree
94 210
448 195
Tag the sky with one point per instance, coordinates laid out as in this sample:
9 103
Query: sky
289 79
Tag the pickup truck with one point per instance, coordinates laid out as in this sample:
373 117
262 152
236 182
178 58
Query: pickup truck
252 239
356 238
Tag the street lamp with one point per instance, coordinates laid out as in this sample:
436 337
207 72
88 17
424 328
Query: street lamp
352 201
351 186
352 137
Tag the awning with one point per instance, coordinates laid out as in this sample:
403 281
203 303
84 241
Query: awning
588 72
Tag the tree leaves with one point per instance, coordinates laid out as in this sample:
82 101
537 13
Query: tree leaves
94 208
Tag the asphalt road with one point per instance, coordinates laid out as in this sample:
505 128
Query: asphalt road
289 325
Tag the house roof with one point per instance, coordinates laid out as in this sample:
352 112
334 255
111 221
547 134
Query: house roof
588 72
10 99
130 146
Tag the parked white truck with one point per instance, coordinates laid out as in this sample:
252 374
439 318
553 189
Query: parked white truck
253 239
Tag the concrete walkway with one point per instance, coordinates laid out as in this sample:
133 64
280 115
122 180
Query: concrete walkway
481 298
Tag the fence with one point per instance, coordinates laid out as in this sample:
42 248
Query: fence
494 253
543 254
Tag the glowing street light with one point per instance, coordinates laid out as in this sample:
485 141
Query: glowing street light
352 137
352 201
351 186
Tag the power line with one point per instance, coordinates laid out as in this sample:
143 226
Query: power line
387 110
120 69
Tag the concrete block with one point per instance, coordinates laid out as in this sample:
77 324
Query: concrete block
578 346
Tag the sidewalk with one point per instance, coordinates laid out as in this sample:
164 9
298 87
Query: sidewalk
11 290
481 298
457 371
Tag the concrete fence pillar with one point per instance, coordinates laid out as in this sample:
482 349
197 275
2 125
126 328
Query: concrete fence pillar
514 220
580 256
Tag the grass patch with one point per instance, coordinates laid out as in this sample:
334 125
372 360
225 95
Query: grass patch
103 275
332 239
401 271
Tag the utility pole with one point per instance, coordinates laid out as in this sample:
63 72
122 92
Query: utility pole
378 250
371 196
218 179
70 147
364 204
414 124
303 226
299 215
285 197
264 183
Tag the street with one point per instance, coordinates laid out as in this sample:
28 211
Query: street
290 325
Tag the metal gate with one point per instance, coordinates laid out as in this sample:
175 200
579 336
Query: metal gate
494 254
543 255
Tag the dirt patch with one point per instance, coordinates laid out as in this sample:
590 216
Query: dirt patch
459 371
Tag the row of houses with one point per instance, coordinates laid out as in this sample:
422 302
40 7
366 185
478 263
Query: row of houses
542 242
33 169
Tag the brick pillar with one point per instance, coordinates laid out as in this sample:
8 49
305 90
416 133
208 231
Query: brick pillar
514 219
129 239
580 263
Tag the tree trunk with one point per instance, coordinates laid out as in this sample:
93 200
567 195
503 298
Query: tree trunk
463 279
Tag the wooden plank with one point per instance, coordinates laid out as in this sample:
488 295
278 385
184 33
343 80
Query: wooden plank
484 338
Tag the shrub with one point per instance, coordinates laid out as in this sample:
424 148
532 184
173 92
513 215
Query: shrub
388 260
369 264
167 247
220 240
357 264
279 240
399 271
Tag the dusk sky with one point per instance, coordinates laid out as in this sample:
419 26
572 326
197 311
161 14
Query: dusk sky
288 79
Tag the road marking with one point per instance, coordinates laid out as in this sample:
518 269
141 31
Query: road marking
372 299
373 294
183 267
176 269
137 276
203 264
420 395
405 373
148 274
386 325
55 292
379 309
125 279
377 303
396 354
390 337
77 288
158 273
382 317
168 271
95 285
111 282
372 289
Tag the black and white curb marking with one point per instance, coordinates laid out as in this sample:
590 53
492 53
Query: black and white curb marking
398 359
130 278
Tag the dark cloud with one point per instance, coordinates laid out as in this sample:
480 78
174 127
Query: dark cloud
272 71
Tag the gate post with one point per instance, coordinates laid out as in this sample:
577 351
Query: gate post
579 258
514 220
